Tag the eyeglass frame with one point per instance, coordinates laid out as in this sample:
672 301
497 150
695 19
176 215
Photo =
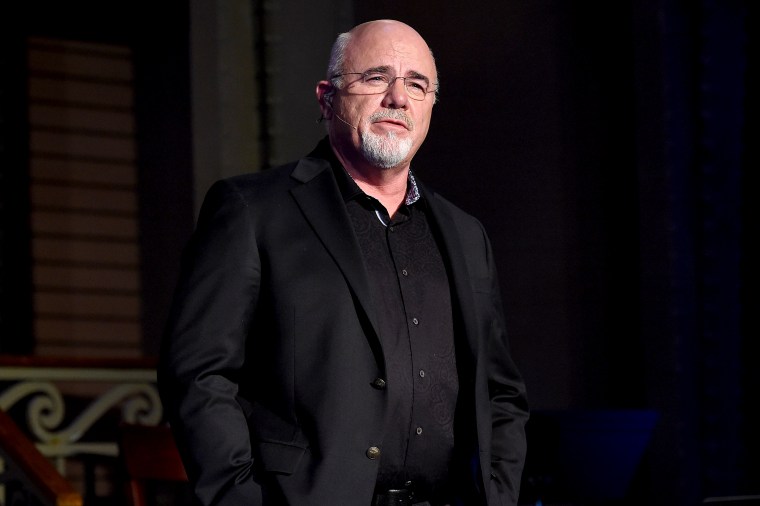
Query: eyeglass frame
391 81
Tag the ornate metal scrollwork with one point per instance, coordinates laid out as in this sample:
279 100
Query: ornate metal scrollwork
46 410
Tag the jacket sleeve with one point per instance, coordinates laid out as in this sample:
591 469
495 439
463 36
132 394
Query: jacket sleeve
509 405
203 351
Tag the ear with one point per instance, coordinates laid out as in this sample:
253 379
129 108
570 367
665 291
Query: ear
325 92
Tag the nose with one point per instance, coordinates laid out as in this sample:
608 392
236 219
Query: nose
396 96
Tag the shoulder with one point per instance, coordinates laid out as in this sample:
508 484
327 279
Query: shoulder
259 188
251 186
461 231
443 207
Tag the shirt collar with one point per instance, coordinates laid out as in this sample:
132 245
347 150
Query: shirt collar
412 192
349 190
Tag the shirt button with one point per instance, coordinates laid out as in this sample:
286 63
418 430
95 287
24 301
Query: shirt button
404 272
419 430
392 229
422 373
415 321
378 383
373 452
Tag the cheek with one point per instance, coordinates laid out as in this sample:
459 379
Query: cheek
423 122
358 110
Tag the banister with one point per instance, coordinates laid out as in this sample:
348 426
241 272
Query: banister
35 466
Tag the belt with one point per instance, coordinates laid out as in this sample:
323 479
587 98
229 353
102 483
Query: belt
397 497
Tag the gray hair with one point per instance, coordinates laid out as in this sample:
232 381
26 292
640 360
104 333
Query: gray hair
338 58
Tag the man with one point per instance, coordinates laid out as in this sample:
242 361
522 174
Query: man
337 336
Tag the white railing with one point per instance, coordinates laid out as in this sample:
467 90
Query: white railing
43 386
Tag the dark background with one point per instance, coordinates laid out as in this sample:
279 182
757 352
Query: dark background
608 147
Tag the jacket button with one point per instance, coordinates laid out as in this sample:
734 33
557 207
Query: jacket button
373 452
378 383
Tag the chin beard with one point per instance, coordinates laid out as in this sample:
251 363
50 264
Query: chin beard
384 151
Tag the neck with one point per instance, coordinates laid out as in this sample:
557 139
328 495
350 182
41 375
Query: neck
388 186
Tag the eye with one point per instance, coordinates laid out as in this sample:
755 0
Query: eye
375 79
416 84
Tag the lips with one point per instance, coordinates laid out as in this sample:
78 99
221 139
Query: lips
394 122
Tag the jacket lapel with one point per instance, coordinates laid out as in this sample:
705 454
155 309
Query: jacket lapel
455 252
322 204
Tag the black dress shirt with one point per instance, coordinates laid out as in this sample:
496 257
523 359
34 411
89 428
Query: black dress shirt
413 307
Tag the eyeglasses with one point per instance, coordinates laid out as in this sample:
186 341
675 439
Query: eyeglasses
378 82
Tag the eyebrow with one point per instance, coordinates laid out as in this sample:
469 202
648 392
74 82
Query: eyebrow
385 69
416 75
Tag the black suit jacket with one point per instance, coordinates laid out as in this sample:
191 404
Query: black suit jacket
269 364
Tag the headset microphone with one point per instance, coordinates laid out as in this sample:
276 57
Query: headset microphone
328 103
346 122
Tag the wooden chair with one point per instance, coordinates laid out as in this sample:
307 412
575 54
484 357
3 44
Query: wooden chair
149 454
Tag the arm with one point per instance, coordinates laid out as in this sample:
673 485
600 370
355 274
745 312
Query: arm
204 351
509 406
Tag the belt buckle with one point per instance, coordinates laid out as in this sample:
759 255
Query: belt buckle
394 497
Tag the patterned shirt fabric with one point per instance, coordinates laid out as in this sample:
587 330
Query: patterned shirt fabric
412 302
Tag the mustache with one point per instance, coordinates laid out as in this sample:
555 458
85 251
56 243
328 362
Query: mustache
396 114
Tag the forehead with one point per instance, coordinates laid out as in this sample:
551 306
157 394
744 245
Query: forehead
402 50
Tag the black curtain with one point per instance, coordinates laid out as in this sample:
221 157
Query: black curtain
697 207
15 261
